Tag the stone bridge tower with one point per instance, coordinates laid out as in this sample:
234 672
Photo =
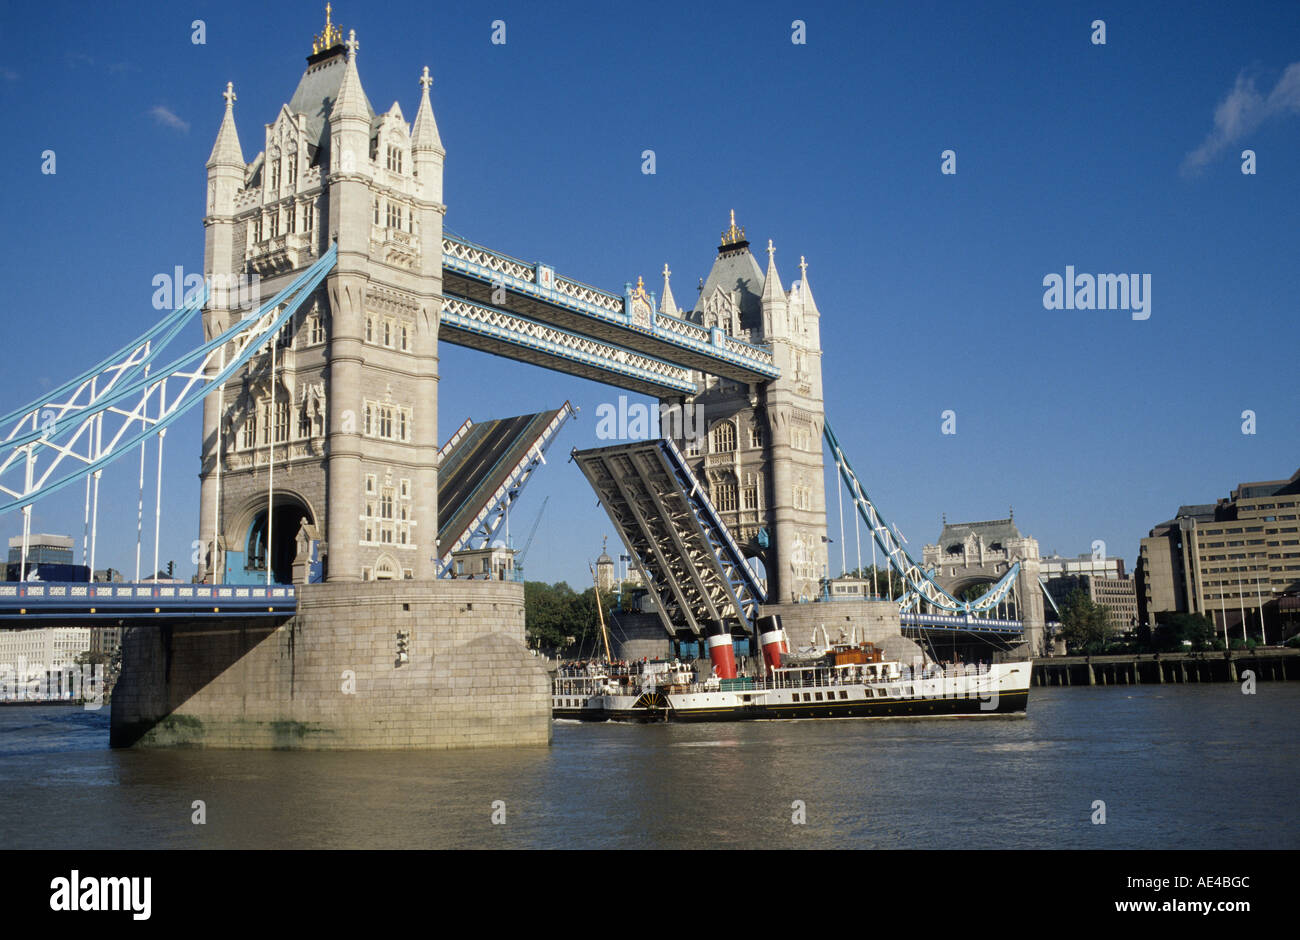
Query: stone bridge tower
348 409
759 447
980 553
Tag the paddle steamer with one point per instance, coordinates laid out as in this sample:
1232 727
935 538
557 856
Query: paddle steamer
845 679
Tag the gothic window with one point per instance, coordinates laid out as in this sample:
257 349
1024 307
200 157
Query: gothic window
403 337
315 330
281 421
293 169
388 333
750 497
390 422
275 173
291 219
370 482
394 215
755 436
394 161
386 504
370 329
308 216
724 438
257 230
726 497
405 489
275 222
250 432
376 205
304 421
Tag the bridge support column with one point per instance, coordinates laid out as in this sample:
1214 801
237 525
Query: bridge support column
384 664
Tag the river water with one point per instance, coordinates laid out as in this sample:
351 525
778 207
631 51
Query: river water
1176 767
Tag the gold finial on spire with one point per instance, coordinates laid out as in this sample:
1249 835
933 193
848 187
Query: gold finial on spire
640 284
733 235
330 37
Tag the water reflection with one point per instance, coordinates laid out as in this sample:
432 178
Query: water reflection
1158 758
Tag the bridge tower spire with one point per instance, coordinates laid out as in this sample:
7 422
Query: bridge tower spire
226 170
426 144
668 304
351 420
761 458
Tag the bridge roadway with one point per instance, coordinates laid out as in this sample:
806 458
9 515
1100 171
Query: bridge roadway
542 300
968 623
28 604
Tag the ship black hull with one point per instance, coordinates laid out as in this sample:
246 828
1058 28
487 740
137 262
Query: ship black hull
1008 703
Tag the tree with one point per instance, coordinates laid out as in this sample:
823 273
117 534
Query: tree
1084 622
91 658
1173 629
555 612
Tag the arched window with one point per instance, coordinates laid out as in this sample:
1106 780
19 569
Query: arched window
724 438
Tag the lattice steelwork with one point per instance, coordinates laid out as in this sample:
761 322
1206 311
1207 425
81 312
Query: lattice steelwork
89 422
471 272
490 503
684 552
920 583
478 326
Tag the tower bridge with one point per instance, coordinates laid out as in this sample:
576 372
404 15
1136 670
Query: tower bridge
321 464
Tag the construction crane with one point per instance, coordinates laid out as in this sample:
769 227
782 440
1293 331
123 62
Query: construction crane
531 534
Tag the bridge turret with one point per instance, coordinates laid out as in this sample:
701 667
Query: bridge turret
775 308
801 296
226 170
668 304
426 145
226 163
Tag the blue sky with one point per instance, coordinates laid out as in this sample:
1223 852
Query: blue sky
1093 425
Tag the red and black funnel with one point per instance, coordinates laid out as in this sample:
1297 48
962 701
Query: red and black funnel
721 652
771 638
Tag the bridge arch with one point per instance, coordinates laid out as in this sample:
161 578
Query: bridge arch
248 553
971 587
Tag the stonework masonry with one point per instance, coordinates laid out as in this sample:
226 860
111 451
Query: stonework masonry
467 679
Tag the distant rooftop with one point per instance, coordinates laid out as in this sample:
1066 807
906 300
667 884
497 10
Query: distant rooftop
991 531
50 541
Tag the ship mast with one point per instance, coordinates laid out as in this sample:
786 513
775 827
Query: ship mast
603 635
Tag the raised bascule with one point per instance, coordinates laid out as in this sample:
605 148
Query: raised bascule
321 464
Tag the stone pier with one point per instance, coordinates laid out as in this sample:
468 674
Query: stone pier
378 664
